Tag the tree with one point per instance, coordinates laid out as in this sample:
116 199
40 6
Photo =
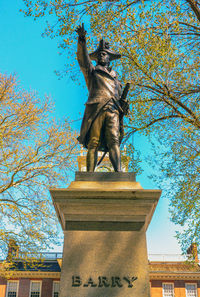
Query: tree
35 153
179 165
159 43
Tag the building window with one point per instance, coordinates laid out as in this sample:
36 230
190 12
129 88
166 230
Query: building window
191 290
168 289
12 289
56 288
35 290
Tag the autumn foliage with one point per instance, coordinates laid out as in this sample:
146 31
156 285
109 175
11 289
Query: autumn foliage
159 43
36 152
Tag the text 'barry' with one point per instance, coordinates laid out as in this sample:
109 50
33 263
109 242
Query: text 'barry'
103 281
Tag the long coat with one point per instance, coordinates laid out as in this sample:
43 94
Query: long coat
102 85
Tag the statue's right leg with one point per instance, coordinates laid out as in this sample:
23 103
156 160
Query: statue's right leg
92 154
112 139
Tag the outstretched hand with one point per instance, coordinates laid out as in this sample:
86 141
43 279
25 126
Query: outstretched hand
81 31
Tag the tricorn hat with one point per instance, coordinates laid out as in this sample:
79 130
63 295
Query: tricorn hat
104 46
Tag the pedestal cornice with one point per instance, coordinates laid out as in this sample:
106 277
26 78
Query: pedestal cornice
105 205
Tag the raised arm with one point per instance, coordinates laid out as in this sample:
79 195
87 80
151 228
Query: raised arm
82 53
80 30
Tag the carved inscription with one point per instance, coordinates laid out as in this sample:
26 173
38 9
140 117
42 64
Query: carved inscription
103 281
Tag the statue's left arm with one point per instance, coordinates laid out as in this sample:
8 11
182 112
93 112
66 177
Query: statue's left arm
124 103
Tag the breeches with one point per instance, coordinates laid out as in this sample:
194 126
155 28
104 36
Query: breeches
105 129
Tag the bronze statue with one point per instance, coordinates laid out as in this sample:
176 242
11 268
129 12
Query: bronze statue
102 125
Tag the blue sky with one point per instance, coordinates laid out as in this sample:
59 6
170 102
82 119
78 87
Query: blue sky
34 59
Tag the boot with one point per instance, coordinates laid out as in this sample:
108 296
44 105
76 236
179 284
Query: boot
91 159
114 155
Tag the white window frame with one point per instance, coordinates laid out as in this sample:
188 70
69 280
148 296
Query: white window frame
53 287
195 284
12 281
36 281
167 283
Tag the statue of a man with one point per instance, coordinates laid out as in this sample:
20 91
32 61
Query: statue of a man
100 129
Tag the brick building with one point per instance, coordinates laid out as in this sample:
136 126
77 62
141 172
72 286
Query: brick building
174 278
168 278
40 280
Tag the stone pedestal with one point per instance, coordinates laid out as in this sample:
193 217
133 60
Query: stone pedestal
104 217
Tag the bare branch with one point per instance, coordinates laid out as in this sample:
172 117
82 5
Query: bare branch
194 7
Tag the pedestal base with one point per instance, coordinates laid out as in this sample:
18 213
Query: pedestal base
104 264
104 218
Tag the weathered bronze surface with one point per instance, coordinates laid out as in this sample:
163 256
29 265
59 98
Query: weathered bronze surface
102 125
